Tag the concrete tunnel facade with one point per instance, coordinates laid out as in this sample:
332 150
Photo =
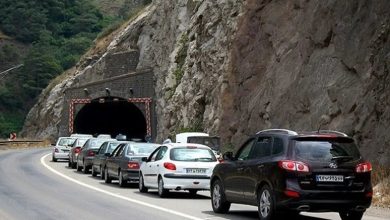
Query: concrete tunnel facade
118 105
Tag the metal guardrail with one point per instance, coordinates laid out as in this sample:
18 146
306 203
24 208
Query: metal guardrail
27 142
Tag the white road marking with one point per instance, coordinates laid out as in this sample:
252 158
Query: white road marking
113 194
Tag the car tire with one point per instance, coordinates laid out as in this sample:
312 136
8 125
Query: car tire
218 198
78 167
85 168
93 171
141 184
265 203
107 178
122 181
161 191
69 164
102 173
54 159
193 192
351 215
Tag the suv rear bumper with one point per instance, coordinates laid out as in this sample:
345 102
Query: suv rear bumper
323 202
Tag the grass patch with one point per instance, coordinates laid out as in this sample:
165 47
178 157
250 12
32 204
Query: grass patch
181 57
195 126
380 177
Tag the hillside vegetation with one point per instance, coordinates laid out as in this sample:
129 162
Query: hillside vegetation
55 34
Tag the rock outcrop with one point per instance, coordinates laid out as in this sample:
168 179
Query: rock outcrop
231 68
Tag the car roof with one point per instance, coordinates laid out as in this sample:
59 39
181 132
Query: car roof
177 145
304 134
142 143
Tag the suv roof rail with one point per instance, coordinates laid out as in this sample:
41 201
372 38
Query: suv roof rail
331 132
278 130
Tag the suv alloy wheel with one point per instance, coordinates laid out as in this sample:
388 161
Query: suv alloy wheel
218 201
265 203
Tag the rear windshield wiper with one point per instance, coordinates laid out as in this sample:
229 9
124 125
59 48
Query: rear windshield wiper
342 158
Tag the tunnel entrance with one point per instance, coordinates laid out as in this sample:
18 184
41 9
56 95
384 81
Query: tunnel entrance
111 115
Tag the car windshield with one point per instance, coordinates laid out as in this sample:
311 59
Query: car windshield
143 149
66 141
326 150
111 147
192 154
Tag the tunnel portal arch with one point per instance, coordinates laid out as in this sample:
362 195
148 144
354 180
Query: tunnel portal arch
113 115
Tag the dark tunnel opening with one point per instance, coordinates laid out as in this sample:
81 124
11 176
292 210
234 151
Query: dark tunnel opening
111 115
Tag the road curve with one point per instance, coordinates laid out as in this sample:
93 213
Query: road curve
33 187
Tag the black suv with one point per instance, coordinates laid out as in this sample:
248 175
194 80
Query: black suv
282 171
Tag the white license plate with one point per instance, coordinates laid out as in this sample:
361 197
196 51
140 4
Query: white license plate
196 170
330 178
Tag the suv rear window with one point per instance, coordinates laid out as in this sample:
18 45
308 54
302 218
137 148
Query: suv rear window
326 150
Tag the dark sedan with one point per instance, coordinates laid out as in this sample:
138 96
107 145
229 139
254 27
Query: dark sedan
99 161
87 153
124 162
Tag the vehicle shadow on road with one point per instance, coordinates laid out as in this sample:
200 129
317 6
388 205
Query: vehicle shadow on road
174 195
254 215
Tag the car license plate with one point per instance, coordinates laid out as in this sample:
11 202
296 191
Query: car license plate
330 178
196 170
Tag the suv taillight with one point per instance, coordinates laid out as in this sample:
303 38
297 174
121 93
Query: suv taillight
77 150
169 166
291 165
363 167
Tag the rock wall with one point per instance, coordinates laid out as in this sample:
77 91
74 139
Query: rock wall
231 68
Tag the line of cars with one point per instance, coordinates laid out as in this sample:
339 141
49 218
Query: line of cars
169 166
280 171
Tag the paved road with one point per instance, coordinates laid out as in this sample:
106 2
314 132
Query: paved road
33 187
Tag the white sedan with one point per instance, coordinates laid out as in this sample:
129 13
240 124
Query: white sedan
177 166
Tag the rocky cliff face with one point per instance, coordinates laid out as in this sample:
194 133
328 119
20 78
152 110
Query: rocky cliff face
232 68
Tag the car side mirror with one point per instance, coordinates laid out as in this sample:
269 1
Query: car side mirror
144 159
228 155
52 144
107 154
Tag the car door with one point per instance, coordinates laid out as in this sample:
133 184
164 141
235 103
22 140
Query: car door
156 167
147 171
100 155
112 161
255 168
232 173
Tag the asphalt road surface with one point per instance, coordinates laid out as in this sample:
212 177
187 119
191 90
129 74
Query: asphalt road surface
33 187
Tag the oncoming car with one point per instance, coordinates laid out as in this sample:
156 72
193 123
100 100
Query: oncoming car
283 171
177 166
61 148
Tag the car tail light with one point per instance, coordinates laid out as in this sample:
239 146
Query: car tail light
56 150
77 150
368 194
294 166
91 153
363 167
133 165
291 193
169 166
